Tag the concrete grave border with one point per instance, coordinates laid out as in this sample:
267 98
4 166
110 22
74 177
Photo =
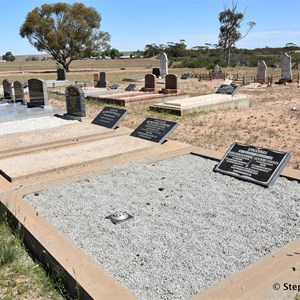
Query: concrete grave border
84 275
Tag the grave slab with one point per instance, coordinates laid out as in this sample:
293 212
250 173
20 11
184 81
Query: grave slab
202 103
54 137
53 160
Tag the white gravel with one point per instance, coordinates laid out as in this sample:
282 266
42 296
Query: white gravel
191 228
26 125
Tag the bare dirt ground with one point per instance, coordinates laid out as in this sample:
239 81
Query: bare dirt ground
272 121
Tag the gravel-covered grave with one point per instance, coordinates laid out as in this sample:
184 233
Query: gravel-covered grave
192 227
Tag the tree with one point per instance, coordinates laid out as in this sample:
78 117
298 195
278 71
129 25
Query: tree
65 31
8 56
152 50
231 21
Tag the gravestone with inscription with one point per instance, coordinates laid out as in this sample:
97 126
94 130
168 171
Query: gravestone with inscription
261 72
38 95
7 89
75 102
19 91
154 130
102 80
258 165
61 74
96 79
286 67
227 89
110 117
150 83
164 65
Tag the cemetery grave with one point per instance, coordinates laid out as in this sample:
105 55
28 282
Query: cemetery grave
190 228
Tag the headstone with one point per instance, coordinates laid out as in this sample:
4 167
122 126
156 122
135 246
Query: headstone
170 84
75 101
61 74
96 79
110 117
156 72
150 83
250 163
154 130
38 95
102 80
163 65
130 87
227 89
19 91
7 89
261 72
286 67
217 70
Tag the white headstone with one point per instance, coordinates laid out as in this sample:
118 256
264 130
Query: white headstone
261 72
164 65
286 67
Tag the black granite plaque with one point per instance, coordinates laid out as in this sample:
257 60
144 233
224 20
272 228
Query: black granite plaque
61 74
130 87
75 101
259 165
228 89
110 117
154 130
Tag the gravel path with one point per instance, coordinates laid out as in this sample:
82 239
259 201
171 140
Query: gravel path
191 228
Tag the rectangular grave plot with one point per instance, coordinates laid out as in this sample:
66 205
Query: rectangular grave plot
110 117
227 89
154 130
258 165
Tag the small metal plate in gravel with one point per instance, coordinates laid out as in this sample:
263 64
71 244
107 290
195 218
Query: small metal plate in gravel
119 217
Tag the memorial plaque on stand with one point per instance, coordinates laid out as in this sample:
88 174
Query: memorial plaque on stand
228 89
154 130
259 165
110 117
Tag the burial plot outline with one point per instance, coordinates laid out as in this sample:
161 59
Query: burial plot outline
250 163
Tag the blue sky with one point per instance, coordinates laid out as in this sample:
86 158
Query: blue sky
135 23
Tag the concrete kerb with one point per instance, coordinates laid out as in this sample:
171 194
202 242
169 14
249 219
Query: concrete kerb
84 275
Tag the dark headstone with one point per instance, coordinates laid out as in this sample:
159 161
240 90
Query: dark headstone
19 91
102 80
228 89
156 72
170 84
75 101
154 130
110 117
130 87
7 89
259 165
38 95
150 83
61 74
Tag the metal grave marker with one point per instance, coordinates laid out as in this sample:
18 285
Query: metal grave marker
258 165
